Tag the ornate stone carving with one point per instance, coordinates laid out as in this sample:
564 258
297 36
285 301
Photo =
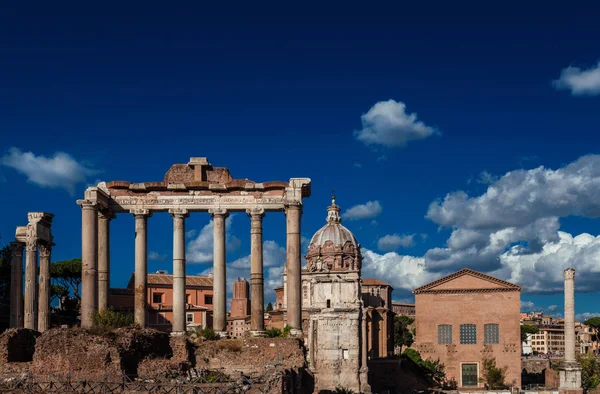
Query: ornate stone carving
569 273
141 212
256 213
179 212
45 249
87 204
106 214
218 212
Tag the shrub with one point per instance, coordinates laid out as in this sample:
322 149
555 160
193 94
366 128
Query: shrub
343 390
207 334
492 376
108 319
273 333
590 371
432 369
286 331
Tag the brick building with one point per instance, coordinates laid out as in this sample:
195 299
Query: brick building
159 305
466 317
238 321
377 301
403 309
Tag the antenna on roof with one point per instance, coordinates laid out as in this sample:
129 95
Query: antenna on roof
332 197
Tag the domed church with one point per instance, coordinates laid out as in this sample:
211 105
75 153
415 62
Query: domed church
336 323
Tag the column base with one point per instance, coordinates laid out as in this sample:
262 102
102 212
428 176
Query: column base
177 333
257 334
295 332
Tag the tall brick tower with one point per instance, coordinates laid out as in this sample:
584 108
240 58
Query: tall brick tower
240 303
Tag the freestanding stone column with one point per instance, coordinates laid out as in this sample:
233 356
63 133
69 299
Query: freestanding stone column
141 265
104 218
179 298
31 257
257 319
219 271
570 370
16 285
89 261
294 267
44 288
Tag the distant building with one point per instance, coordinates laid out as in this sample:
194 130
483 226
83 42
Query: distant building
377 301
238 320
550 338
403 309
466 317
159 306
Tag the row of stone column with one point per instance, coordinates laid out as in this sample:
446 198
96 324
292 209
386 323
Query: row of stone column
96 266
33 309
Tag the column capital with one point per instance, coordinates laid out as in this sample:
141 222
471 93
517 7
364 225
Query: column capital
569 273
16 248
179 212
218 212
106 214
32 244
45 249
292 207
87 204
256 213
141 212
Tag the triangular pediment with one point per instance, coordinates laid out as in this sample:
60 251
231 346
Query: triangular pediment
467 280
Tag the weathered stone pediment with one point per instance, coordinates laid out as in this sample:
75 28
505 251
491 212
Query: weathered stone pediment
467 280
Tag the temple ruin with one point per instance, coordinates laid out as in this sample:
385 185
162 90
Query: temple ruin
193 187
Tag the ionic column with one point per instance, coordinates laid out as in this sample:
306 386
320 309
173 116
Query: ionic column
141 266
44 288
16 285
89 261
257 319
294 267
104 218
219 271
31 257
179 298
569 275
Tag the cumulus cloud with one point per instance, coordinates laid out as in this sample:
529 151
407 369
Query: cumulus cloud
519 212
368 210
155 256
59 171
586 315
388 124
200 249
527 306
580 82
403 273
392 242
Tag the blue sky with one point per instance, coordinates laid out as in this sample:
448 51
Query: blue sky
453 135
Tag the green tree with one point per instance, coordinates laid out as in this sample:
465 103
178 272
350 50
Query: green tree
402 333
527 329
67 274
594 324
433 370
590 371
269 307
57 292
493 376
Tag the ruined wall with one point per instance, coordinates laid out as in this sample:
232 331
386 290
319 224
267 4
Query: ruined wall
17 345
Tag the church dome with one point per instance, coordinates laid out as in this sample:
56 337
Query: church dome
333 247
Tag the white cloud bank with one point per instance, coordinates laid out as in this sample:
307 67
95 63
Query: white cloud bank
580 82
388 124
392 242
368 210
59 171
200 249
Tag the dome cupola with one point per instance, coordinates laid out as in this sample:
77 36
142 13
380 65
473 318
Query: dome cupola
333 247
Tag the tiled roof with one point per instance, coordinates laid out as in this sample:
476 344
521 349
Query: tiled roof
373 282
506 286
167 280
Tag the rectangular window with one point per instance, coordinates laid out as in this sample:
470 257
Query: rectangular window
157 298
468 334
208 300
491 334
189 317
445 334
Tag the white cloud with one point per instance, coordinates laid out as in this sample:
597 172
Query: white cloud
580 82
155 256
552 308
388 124
527 306
59 171
368 210
191 234
520 212
403 273
486 178
586 315
200 249
392 242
